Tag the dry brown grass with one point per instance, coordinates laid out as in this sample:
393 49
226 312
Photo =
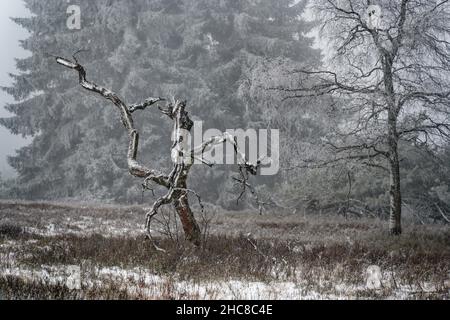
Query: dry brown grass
315 253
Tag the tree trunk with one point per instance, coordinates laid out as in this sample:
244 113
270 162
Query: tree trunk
190 227
395 195
395 227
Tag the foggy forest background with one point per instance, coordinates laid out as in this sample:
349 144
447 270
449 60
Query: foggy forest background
226 58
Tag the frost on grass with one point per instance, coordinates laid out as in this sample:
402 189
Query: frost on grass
246 257
142 284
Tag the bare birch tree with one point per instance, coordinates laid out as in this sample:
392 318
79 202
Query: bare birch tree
388 62
182 155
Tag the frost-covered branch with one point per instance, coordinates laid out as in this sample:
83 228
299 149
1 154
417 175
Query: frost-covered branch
182 157
137 169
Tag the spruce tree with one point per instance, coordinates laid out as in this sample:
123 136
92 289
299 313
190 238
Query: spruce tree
200 50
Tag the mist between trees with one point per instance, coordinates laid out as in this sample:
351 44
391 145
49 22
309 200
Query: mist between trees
364 125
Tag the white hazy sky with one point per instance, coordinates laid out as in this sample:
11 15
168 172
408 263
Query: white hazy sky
10 34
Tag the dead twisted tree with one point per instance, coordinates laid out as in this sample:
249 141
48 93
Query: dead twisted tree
182 156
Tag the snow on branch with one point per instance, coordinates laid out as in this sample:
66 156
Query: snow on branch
182 157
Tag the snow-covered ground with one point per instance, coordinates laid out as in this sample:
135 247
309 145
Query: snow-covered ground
142 283
50 229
